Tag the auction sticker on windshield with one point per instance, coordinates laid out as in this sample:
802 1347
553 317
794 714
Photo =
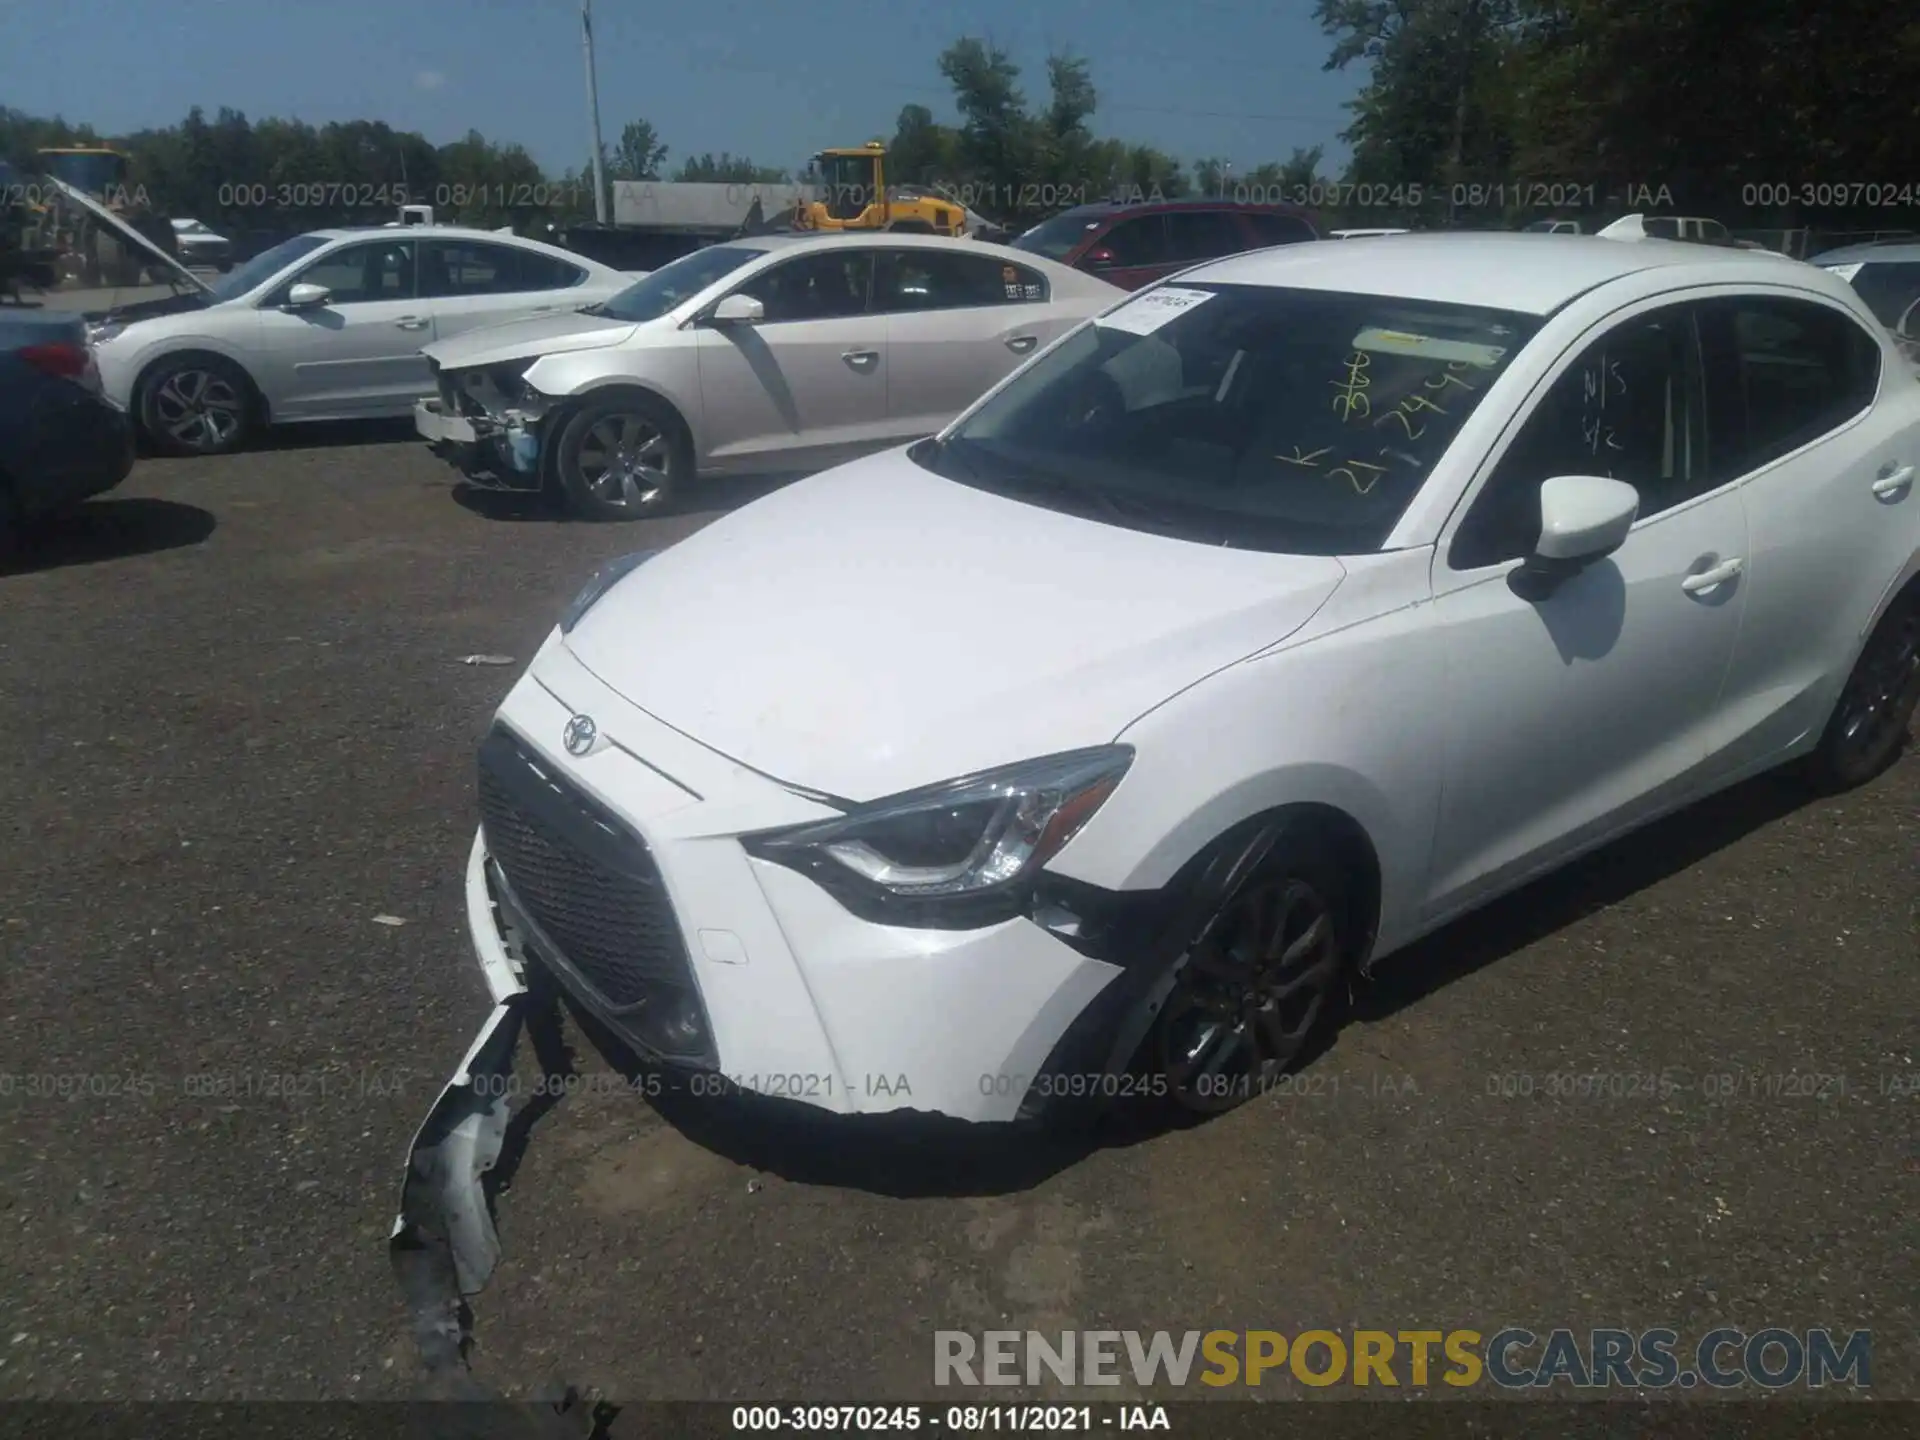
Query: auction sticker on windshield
1428 347
1155 308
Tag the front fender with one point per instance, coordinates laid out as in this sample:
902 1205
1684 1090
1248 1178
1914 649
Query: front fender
1345 719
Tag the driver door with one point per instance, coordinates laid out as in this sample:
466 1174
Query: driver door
359 353
1575 717
806 386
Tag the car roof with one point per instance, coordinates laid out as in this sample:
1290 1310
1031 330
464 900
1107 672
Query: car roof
1893 251
1531 274
1106 209
896 239
442 232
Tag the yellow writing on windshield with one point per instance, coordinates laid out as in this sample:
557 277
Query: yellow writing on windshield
1362 485
1406 410
1300 457
1352 399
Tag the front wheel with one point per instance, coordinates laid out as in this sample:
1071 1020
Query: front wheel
623 458
1260 981
196 405
1873 718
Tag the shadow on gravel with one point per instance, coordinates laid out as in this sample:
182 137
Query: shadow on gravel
1601 879
102 530
323 434
708 497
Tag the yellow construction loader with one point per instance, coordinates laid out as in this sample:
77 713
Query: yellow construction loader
853 194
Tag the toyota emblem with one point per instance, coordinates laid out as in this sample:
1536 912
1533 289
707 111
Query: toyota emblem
580 734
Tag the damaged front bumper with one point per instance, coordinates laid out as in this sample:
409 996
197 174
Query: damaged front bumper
486 426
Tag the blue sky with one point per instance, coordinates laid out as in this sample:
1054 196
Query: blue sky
772 79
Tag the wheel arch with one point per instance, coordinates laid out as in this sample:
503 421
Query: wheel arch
562 412
191 350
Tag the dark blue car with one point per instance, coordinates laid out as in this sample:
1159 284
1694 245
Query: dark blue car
61 440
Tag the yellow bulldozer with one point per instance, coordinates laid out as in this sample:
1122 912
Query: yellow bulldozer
853 194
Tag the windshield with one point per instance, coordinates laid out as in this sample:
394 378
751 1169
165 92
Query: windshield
673 284
1292 421
1056 238
264 266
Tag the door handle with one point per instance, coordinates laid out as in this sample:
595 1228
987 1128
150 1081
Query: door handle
1712 579
411 322
1021 344
1893 481
861 359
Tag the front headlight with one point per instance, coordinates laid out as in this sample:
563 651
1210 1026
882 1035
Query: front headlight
977 841
604 579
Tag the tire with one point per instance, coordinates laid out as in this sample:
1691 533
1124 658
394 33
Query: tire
1873 718
196 405
623 458
1265 977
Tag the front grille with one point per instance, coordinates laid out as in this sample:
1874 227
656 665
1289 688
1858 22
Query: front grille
583 877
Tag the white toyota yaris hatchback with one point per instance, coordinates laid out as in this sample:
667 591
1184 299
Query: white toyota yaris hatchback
1248 632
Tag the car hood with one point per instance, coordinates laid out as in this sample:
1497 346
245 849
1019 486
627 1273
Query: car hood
127 233
877 627
178 303
522 339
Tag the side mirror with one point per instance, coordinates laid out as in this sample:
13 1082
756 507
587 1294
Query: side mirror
1583 518
739 310
306 297
1100 258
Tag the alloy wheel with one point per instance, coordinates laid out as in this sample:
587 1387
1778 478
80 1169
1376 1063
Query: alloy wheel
199 409
1250 992
1879 699
626 460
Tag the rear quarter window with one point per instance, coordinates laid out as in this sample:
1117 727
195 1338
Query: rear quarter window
1783 372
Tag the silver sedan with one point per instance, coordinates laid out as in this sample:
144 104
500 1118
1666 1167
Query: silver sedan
325 326
777 353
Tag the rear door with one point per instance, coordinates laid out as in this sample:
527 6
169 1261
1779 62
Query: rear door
1276 227
478 282
807 385
1197 235
957 323
358 354
1828 477
1133 252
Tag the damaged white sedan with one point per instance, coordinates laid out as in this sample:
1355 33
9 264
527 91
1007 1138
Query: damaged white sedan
1093 746
773 354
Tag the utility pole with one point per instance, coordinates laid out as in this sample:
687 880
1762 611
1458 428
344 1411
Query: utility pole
593 114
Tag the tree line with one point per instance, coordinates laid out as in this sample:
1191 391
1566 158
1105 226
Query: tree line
1478 112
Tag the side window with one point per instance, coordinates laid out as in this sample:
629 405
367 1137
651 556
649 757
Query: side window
1204 234
921 279
830 284
466 267
1892 292
356 274
1139 241
547 272
1273 228
1630 408
1785 372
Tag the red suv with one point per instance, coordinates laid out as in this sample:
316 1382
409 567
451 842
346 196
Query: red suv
1134 245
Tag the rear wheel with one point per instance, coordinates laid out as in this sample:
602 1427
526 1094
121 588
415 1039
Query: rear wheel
623 458
196 405
1873 718
1263 978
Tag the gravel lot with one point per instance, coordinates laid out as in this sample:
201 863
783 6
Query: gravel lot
238 731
